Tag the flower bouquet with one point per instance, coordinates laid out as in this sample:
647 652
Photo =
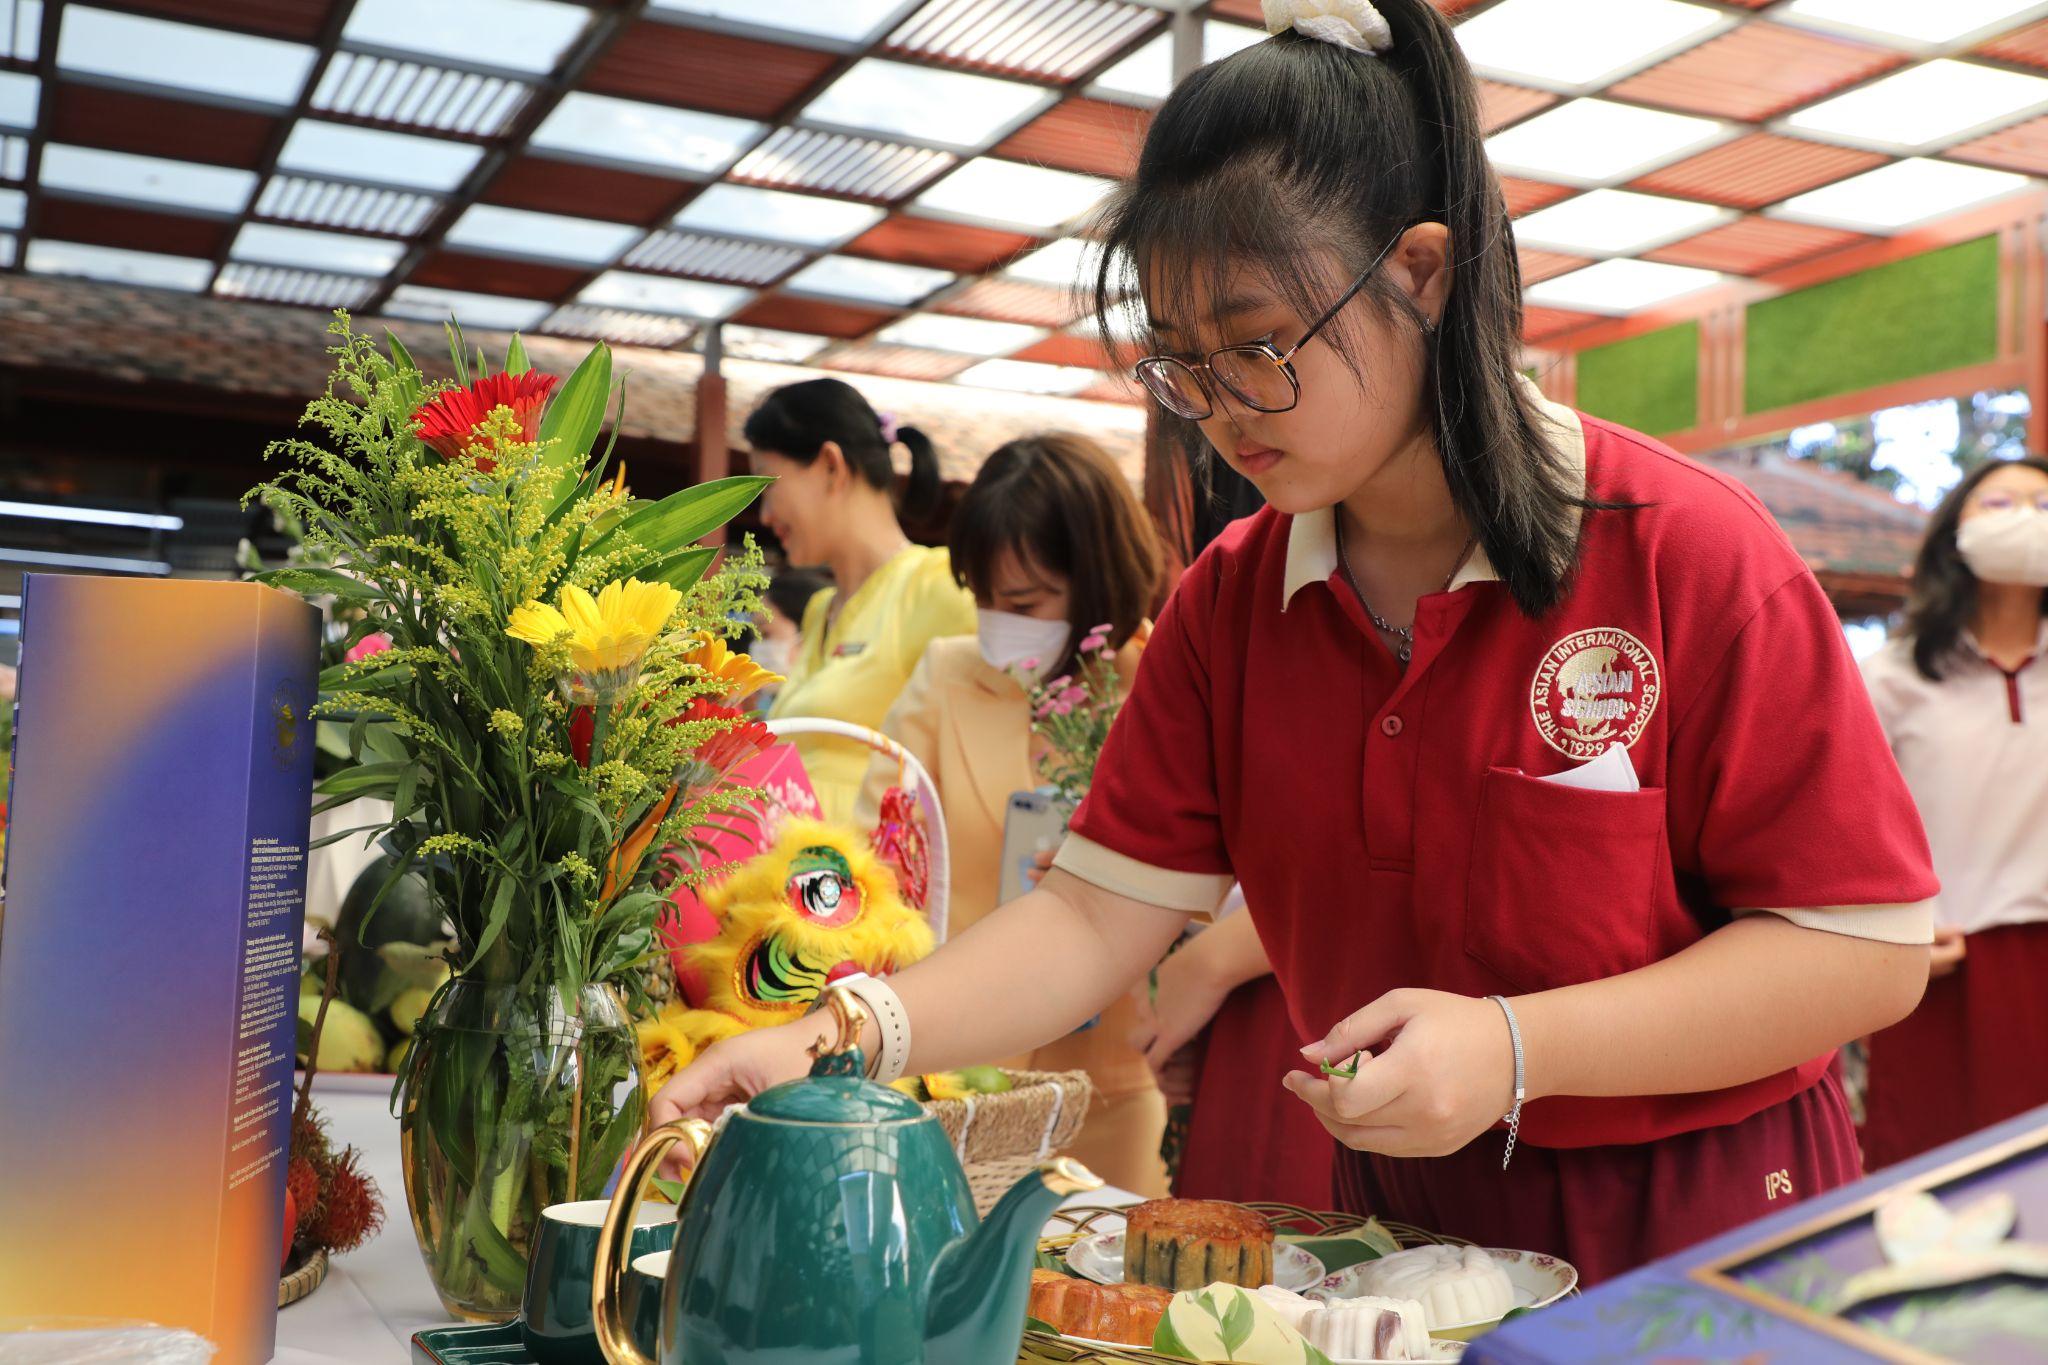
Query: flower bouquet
1071 716
545 723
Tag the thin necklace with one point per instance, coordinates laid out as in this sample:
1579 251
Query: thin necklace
1405 634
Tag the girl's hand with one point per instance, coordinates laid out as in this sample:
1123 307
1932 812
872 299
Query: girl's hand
1188 996
1436 1071
1950 948
733 1072
1040 865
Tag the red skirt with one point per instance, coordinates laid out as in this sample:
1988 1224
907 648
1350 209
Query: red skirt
1608 1210
1970 1056
1249 1138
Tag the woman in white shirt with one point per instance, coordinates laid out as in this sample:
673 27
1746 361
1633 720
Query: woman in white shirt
1963 695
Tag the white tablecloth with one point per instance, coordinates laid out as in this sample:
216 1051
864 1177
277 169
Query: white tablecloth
377 1296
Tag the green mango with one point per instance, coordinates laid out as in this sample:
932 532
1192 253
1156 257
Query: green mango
985 1080
349 1040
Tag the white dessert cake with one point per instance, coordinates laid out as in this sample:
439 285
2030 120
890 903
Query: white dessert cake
1454 1285
1369 1329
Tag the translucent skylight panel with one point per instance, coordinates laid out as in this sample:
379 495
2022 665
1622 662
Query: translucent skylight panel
770 343
547 235
660 294
21 29
147 179
516 35
117 266
492 311
1923 105
617 324
19 95
182 56
1068 263
611 129
13 208
968 336
778 215
1616 223
925 104
419 163
6 250
1012 192
1590 141
842 21
1913 21
1147 74
1023 376
1900 195
1580 43
302 248
871 281
13 158
1621 286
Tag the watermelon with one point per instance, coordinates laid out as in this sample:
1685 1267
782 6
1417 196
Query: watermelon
408 914
1226 1323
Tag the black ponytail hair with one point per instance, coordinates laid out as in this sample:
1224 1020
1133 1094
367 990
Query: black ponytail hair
1292 150
796 420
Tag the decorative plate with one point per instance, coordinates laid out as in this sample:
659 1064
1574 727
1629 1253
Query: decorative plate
1538 1281
1438 1351
1100 1257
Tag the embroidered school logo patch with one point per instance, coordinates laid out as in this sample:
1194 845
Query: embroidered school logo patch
1593 689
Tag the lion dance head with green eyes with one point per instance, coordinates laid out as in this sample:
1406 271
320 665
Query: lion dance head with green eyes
815 906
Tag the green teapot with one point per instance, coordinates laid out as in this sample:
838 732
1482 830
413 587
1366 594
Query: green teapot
829 1221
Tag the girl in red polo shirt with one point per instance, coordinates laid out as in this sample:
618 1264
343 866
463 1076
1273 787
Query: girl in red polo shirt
1556 798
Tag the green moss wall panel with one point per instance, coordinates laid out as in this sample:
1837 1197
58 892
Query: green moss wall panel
1920 316
1650 382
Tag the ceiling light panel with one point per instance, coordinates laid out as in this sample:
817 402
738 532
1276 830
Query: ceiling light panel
1900 195
849 277
968 336
335 203
390 90
547 236
837 21
778 216
715 258
491 311
1914 109
145 179
769 343
1621 287
268 244
1906 22
210 61
21 30
115 265
803 158
1146 76
303 288
1069 263
607 129
1579 44
20 95
1616 223
369 154
1591 142
1012 192
1023 376
513 35
13 208
925 104
618 324
660 294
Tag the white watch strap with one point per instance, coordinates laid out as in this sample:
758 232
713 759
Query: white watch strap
892 1055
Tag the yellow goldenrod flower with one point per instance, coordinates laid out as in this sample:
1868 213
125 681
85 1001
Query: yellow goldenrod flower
606 634
736 676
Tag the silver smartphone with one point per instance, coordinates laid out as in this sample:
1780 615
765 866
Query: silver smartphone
1033 824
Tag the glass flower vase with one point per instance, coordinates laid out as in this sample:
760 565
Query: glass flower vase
512 1098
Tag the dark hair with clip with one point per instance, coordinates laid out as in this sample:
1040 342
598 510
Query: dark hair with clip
1295 151
1944 590
796 420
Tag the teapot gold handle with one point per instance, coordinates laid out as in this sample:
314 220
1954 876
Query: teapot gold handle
608 1275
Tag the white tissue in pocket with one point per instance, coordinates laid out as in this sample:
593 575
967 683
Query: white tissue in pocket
1611 772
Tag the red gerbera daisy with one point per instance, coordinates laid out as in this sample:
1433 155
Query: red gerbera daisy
731 747
448 421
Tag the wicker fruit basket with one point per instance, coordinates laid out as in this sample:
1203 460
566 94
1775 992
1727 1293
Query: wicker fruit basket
1000 1137
1045 1348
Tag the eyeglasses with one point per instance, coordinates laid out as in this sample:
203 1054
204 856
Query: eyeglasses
1257 374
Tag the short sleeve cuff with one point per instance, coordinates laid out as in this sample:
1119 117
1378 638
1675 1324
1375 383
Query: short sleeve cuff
1196 893
1902 924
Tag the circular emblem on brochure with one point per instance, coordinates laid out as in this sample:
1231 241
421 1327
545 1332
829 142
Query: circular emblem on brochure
1594 689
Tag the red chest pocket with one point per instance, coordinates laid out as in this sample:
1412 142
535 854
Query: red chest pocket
1563 882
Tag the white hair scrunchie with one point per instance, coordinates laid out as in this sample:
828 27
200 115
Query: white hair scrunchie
1347 23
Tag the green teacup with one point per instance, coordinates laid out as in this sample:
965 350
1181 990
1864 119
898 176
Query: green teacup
555 1323
643 1298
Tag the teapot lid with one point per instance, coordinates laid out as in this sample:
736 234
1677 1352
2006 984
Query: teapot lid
837 1090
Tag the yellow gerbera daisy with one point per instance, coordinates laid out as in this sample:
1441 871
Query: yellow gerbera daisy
736 675
606 634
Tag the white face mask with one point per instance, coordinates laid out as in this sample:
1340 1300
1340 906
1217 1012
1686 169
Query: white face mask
1010 641
2009 545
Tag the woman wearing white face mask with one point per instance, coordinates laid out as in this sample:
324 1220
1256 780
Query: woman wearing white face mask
1053 543
1963 695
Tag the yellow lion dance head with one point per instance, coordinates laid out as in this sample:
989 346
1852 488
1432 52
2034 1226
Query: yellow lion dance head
814 906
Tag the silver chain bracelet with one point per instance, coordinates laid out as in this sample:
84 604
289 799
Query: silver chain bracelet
1514 1116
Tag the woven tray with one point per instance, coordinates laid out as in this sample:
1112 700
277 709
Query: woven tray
1045 1348
302 1281
1001 1137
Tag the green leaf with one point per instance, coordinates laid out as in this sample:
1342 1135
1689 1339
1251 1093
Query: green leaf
494 922
570 424
456 351
365 777
674 523
682 571
515 357
408 374
311 582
